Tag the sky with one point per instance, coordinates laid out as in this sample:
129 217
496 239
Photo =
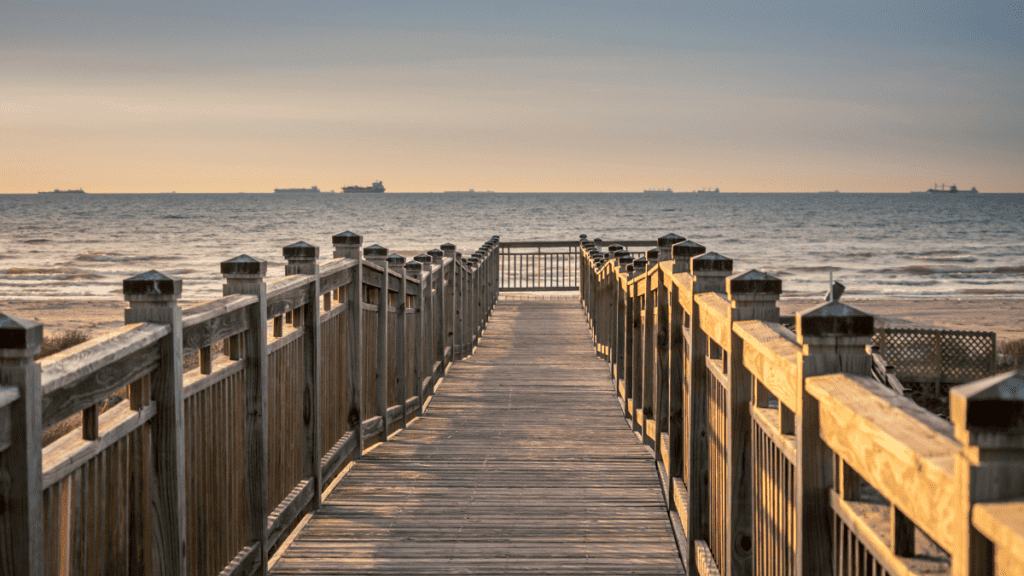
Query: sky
228 95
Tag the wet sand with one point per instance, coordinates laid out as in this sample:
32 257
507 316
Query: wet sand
1005 316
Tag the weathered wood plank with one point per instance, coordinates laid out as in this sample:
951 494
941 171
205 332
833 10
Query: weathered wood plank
521 465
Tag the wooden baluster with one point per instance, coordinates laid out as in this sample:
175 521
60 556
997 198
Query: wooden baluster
427 347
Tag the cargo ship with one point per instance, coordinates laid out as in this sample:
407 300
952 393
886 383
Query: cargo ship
708 191
313 190
655 191
377 187
951 190
55 191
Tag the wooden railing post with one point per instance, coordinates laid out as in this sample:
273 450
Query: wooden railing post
245 275
988 420
440 313
708 272
350 245
624 320
461 321
752 296
301 258
451 301
636 351
680 377
496 270
427 347
474 274
835 337
21 474
650 370
153 297
400 355
414 271
378 255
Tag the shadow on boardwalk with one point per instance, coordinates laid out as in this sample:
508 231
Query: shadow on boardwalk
522 464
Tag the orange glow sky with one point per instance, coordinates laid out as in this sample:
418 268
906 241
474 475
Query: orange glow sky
233 96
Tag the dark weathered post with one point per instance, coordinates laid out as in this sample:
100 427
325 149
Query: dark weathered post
245 275
401 355
350 245
376 254
752 296
708 272
21 549
301 259
153 297
834 337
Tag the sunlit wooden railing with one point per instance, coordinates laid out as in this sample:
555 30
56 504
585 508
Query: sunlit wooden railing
777 451
206 471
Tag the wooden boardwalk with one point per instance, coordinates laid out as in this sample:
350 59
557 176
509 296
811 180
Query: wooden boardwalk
522 464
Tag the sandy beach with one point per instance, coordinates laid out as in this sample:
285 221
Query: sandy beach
1005 317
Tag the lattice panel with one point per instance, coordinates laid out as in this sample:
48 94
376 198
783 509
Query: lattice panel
937 355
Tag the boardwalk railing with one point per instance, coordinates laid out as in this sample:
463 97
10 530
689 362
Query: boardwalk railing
206 471
777 452
542 266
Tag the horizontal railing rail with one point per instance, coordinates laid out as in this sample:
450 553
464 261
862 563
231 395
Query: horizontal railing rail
778 452
205 469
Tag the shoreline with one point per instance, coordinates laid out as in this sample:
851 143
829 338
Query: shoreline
1004 316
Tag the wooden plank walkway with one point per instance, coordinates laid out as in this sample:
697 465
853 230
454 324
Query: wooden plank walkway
523 464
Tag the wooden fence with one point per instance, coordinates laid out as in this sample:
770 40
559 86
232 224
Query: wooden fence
947 356
206 471
778 454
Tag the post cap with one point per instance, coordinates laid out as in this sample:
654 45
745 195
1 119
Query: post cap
396 260
834 319
640 264
414 266
20 334
447 246
597 241
375 251
753 282
626 259
436 254
346 237
687 249
615 248
244 264
653 254
989 413
423 258
301 251
583 236
710 262
152 283
669 240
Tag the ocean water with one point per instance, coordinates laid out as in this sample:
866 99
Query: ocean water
879 245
